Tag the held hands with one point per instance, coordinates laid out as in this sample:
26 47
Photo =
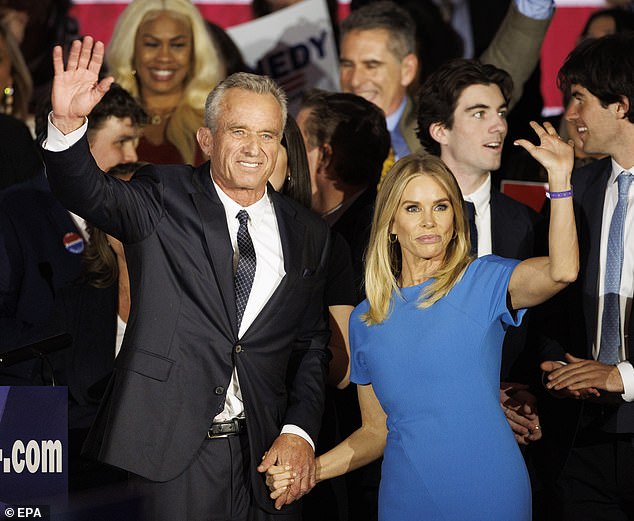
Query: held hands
76 89
278 479
294 452
581 378
519 408
554 154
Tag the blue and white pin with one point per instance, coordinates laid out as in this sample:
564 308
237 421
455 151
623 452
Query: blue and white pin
73 242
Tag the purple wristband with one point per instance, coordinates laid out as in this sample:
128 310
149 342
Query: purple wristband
559 195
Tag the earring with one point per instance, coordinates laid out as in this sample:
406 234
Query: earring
288 176
393 238
8 99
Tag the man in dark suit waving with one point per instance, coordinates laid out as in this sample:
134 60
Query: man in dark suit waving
225 355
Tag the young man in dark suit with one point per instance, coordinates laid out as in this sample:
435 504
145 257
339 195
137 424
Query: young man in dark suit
595 423
462 111
223 366
379 59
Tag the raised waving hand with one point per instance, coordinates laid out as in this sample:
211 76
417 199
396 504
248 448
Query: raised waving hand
76 87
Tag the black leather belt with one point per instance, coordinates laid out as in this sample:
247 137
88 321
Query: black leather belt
228 428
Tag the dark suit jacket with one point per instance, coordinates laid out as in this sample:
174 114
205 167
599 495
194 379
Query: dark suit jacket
34 265
89 315
514 234
576 331
568 323
181 344
354 225
514 227
33 259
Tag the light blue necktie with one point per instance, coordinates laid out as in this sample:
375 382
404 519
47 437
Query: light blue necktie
611 318
399 145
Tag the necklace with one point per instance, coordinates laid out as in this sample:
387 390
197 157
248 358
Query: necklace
157 118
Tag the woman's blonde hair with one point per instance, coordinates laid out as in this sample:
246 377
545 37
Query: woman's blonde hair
207 69
383 261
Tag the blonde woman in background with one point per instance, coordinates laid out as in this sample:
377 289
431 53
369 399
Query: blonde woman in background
161 52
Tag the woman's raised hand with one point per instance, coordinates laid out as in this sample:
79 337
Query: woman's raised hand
555 155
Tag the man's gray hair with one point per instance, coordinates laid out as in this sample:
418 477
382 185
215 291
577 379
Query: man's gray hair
245 81
388 16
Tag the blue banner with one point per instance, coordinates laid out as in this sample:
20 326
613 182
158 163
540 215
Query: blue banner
33 445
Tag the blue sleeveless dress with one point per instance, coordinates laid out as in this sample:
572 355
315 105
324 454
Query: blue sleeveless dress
450 453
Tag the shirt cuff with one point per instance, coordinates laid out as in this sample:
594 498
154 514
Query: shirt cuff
536 9
294 429
627 375
56 141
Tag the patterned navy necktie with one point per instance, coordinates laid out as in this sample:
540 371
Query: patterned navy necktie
611 318
473 230
245 271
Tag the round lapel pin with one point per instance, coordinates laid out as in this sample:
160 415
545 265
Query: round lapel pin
73 242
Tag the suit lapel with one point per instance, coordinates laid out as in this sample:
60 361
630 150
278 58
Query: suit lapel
219 250
497 237
503 227
292 238
590 240
407 126
291 233
61 218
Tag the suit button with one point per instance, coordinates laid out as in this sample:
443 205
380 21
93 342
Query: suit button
219 390
238 349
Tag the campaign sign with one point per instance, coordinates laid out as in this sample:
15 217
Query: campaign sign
33 447
295 46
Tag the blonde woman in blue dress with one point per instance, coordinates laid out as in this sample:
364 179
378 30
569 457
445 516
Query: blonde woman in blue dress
426 347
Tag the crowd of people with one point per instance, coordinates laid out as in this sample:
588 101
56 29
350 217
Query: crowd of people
334 314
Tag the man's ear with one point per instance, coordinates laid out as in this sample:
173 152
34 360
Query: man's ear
438 132
409 68
623 107
205 140
325 157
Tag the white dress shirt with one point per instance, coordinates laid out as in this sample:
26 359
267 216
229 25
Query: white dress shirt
121 325
627 275
481 199
269 271
80 222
